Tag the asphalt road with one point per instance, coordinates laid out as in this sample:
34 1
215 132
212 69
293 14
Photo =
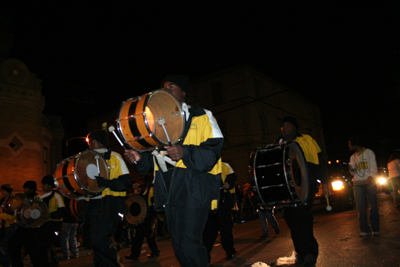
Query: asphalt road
337 233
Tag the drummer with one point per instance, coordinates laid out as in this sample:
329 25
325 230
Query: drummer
6 228
187 180
20 236
146 228
106 210
300 219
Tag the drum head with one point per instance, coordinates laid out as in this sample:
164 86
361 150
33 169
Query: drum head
298 171
12 202
163 108
32 214
89 164
135 209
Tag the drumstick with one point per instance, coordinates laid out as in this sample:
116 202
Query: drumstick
161 121
328 208
97 157
111 129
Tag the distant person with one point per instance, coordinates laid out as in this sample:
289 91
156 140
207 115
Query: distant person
363 167
69 229
146 228
267 214
300 219
222 222
7 226
393 166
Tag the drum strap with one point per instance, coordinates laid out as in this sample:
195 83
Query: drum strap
162 158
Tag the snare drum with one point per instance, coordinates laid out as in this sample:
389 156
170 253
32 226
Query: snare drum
280 175
78 208
141 120
136 209
75 176
11 203
32 213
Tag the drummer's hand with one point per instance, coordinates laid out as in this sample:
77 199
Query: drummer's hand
101 182
132 156
175 152
325 189
370 179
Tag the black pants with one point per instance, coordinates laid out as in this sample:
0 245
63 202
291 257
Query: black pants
102 232
186 226
220 222
38 243
144 230
300 221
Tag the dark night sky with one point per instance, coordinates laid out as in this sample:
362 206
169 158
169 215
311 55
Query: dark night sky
345 58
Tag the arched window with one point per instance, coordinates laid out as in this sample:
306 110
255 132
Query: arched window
263 122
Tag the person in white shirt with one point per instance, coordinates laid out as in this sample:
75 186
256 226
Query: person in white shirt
393 166
363 167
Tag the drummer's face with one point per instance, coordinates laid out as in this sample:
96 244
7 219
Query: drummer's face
175 90
93 144
288 129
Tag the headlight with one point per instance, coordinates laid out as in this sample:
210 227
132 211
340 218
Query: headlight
382 180
337 185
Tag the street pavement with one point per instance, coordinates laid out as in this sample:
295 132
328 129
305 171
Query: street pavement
337 233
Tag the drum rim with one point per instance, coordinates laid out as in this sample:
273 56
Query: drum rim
80 154
128 207
292 191
147 97
46 213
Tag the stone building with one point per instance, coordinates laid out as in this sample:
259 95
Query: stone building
30 142
249 107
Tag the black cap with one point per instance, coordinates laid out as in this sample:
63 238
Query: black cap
290 119
99 136
181 80
48 179
7 187
30 185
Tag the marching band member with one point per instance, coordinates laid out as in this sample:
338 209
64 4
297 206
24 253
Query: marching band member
187 180
145 229
222 220
104 211
6 228
300 219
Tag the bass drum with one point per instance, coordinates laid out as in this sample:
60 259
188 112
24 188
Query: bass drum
143 121
11 203
136 209
75 176
78 208
32 213
280 175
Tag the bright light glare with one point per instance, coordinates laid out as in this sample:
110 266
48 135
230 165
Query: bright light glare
382 180
337 185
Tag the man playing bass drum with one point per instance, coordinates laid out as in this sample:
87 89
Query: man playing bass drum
300 219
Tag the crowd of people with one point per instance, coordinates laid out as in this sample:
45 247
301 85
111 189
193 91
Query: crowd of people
191 191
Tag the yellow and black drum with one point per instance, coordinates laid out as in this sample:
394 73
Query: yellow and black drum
75 176
144 121
11 202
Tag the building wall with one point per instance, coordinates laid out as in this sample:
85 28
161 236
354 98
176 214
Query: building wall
249 107
26 139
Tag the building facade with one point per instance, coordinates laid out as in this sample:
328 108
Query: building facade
249 107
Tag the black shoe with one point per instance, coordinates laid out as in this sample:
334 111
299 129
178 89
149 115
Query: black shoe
277 231
229 257
153 255
310 260
264 236
130 257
